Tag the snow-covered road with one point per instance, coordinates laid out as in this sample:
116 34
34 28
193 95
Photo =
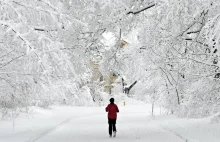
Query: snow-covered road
93 128
86 124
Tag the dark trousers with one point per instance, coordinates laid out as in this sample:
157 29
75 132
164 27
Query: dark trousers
112 123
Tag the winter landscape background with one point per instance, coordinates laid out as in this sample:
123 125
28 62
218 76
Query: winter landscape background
61 61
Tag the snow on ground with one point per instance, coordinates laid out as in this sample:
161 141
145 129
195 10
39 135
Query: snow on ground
89 124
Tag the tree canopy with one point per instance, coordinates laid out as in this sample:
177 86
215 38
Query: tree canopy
172 52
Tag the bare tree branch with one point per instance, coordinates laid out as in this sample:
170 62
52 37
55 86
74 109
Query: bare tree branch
141 10
42 29
194 32
13 86
7 53
13 60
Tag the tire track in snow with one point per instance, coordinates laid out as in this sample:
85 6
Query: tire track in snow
137 135
135 130
175 133
46 132
40 135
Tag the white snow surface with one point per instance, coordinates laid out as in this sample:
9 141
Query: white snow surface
89 124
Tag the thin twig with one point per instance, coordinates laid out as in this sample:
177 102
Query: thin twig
13 60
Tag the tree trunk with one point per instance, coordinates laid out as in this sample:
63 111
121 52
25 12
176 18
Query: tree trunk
152 111
178 97
123 85
127 89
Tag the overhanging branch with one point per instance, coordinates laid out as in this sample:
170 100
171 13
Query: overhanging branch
141 10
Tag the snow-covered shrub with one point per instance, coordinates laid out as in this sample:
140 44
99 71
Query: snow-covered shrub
84 98
201 99
215 119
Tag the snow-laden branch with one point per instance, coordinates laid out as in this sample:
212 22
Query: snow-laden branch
52 13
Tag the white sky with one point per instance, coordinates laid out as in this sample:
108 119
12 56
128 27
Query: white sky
108 40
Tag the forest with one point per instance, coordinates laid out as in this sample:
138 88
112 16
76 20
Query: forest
171 58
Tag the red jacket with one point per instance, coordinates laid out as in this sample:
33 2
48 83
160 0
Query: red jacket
112 110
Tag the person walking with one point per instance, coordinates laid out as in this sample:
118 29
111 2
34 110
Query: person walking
112 110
